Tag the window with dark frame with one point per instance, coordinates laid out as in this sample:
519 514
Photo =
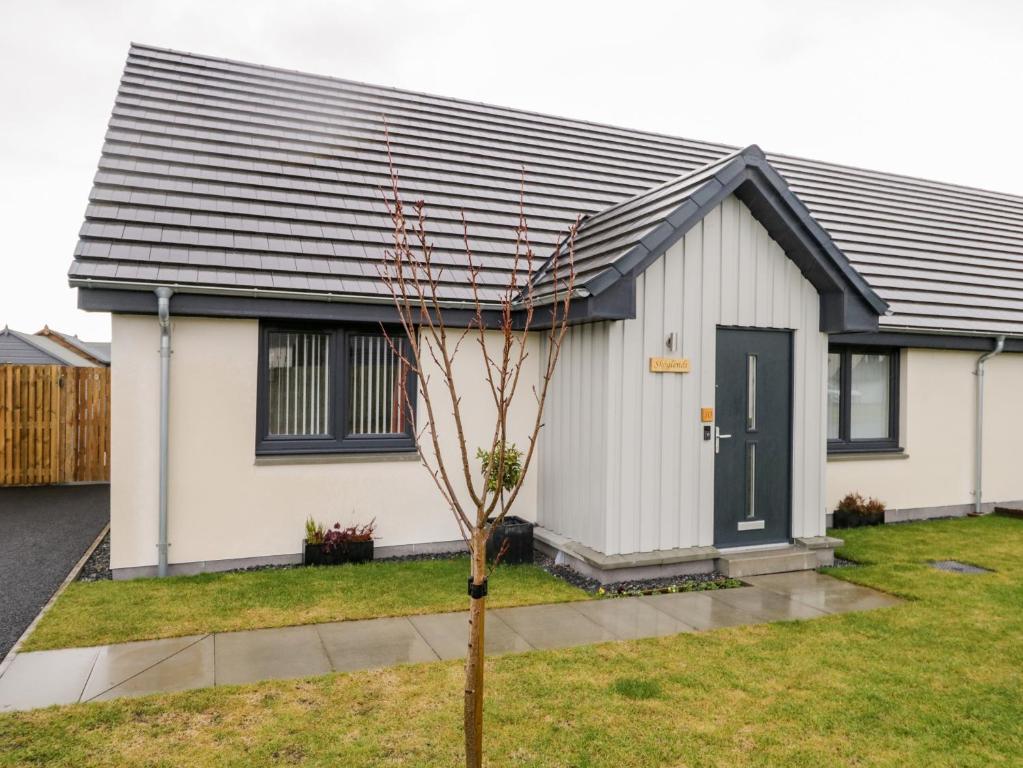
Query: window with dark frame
332 390
863 399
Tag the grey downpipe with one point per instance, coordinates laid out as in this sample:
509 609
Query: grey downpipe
163 296
978 493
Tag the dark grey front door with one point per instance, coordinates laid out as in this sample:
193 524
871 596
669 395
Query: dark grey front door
753 438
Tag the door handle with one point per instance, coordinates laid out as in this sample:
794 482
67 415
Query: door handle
718 437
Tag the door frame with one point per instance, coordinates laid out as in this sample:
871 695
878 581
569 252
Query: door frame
791 335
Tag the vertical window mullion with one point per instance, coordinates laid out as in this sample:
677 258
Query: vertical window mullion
287 384
846 395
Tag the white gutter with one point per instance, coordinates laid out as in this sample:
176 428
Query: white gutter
163 295
978 493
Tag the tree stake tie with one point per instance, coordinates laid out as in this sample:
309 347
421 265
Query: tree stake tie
477 591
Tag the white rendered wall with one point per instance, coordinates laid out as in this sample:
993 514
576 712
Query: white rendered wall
938 433
223 505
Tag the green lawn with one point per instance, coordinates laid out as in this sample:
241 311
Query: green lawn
117 611
937 681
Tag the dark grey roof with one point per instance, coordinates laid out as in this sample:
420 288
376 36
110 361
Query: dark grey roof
607 236
19 348
231 177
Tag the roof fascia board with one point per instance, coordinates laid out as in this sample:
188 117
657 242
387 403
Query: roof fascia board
950 341
616 304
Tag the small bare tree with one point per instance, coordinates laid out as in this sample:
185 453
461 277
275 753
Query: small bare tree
479 501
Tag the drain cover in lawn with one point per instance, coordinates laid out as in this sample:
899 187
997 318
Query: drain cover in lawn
955 566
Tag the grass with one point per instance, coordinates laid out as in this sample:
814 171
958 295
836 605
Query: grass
103 612
936 681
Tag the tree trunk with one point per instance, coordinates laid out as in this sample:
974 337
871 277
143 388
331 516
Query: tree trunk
474 658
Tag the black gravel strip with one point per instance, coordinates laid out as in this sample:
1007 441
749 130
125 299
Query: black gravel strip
400 559
97 567
43 532
691 583
842 563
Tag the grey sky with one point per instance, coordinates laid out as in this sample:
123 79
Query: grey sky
931 89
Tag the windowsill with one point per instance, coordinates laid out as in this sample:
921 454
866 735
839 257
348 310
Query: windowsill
285 459
877 454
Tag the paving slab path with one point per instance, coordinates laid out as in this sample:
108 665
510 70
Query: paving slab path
43 678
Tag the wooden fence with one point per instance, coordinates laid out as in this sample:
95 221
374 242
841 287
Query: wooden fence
55 423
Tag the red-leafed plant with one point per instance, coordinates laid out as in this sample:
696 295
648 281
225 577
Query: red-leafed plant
338 537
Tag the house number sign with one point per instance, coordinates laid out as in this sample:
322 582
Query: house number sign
669 364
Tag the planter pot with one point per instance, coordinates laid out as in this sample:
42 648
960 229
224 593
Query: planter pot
314 554
845 519
352 552
519 535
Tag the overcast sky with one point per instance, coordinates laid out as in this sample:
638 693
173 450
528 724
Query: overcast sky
931 89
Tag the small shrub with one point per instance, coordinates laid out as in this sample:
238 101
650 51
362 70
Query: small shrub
512 467
314 532
854 510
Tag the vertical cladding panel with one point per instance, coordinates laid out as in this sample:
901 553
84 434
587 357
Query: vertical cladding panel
570 430
673 460
702 523
747 278
648 439
597 426
764 286
613 448
726 271
544 458
728 287
573 454
631 414
694 297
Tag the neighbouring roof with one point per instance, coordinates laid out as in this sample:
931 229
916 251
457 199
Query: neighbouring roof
96 351
28 349
230 177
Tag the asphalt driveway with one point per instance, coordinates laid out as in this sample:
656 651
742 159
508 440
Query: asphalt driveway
43 533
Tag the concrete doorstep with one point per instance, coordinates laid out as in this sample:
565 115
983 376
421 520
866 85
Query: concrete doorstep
44 678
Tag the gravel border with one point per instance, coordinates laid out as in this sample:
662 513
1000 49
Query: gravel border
843 563
97 568
697 582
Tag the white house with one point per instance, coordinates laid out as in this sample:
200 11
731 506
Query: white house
754 336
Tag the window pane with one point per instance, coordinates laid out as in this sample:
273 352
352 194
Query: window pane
751 392
751 480
375 384
299 376
834 393
869 396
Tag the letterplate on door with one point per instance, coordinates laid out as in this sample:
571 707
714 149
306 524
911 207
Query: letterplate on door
669 364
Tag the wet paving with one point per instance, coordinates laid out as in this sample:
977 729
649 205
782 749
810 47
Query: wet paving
66 676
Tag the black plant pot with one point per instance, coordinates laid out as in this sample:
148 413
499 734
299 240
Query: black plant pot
349 552
352 552
519 535
843 518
